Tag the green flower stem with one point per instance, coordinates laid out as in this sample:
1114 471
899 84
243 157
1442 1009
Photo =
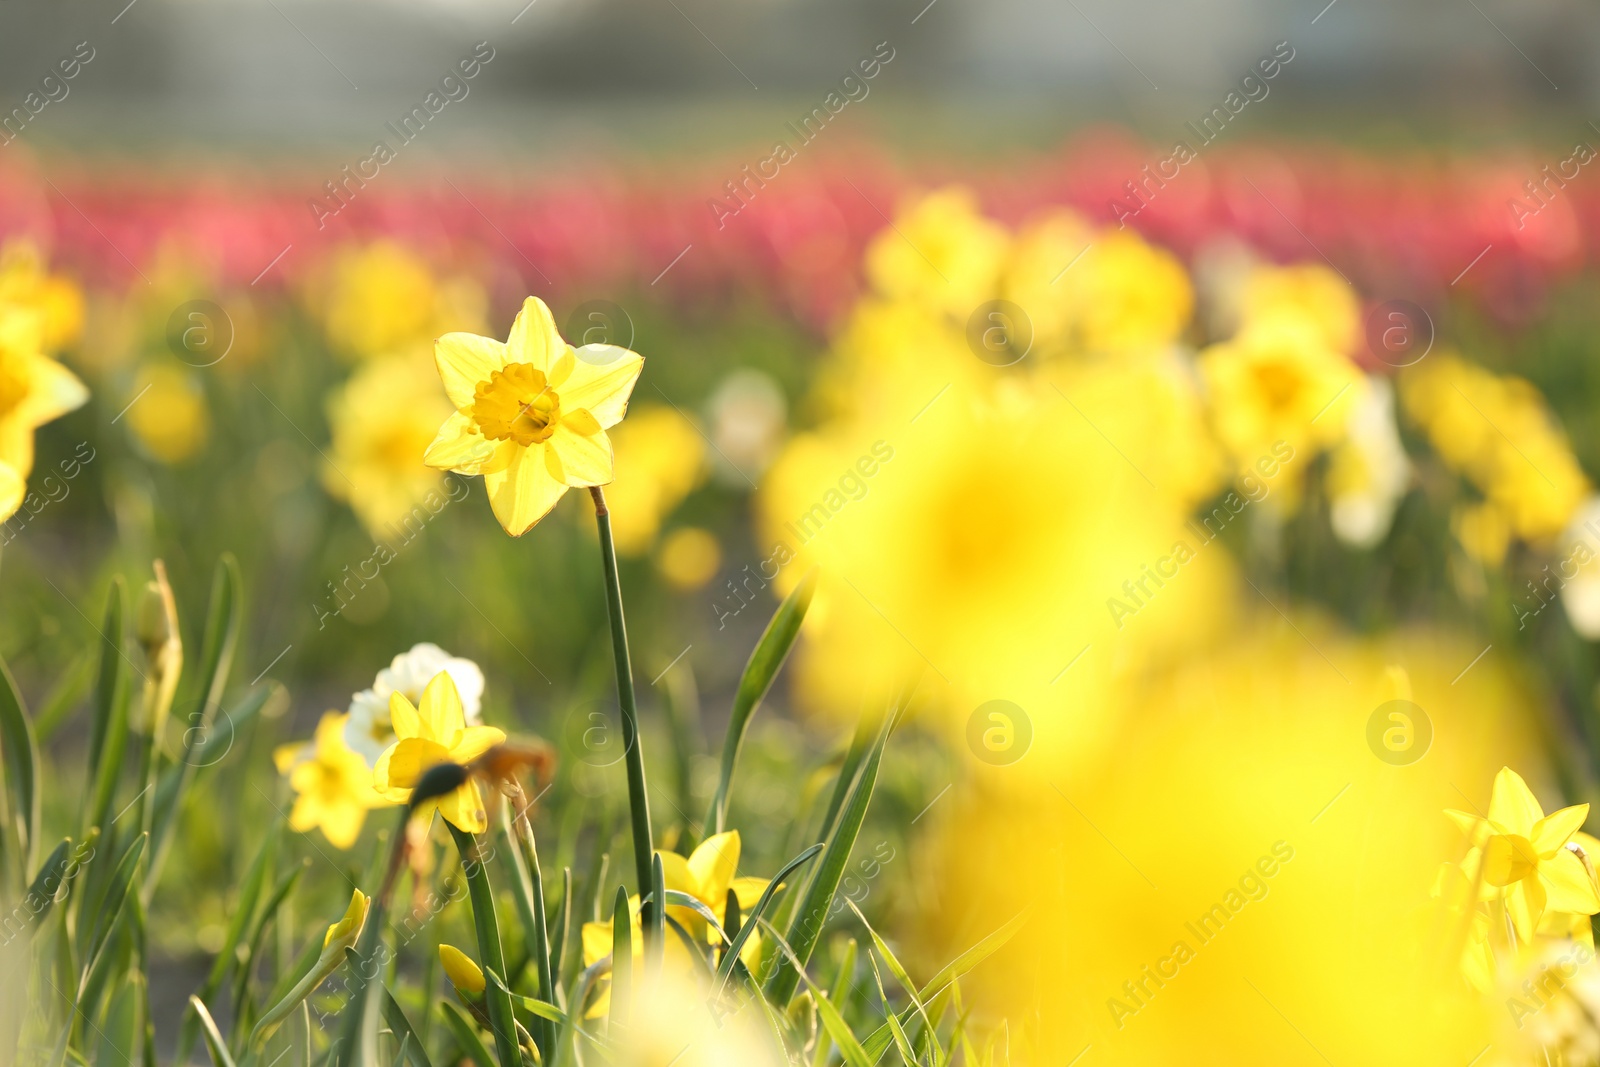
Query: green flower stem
501 1019
638 799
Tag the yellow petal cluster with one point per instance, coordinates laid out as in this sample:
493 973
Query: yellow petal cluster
37 314
382 420
430 732
707 874
382 299
332 783
1498 432
531 413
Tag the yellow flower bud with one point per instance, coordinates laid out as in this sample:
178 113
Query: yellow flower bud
345 932
155 626
465 975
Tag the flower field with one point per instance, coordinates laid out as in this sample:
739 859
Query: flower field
1044 610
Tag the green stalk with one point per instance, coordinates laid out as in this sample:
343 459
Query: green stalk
638 799
501 1019
546 1034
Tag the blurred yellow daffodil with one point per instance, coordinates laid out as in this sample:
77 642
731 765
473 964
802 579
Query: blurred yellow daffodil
1525 854
435 731
382 421
34 389
531 413
333 783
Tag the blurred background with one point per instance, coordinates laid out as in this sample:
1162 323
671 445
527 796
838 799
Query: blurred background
245 223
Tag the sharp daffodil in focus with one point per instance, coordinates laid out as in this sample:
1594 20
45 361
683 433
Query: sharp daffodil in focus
531 413
435 731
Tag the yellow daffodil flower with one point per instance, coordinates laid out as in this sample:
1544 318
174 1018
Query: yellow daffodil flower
1526 857
170 419
34 389
706 874
1500 433
1279 381
941 253
435 731
463 973
382 421
25 282
531 413
333 783
1305 292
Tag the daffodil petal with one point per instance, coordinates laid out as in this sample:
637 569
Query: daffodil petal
596 942
54 391
749 891
407 761
675 872
403 716
713 864
579 460
1569 885
464 360
474 741
601 382
524 492
1525 902
441 708
1554 830
463 809
457 448
12 489
581 422
1512 804
534 338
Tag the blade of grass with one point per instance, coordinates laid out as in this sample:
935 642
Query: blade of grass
501 1020
850 1049
879 1040
748 926
21 754
759 672
214 1043
466 1034
41 895
395 1016
621 961
806 926
244 908
655 942
216 659
108 730
559 937
526 861
842 979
